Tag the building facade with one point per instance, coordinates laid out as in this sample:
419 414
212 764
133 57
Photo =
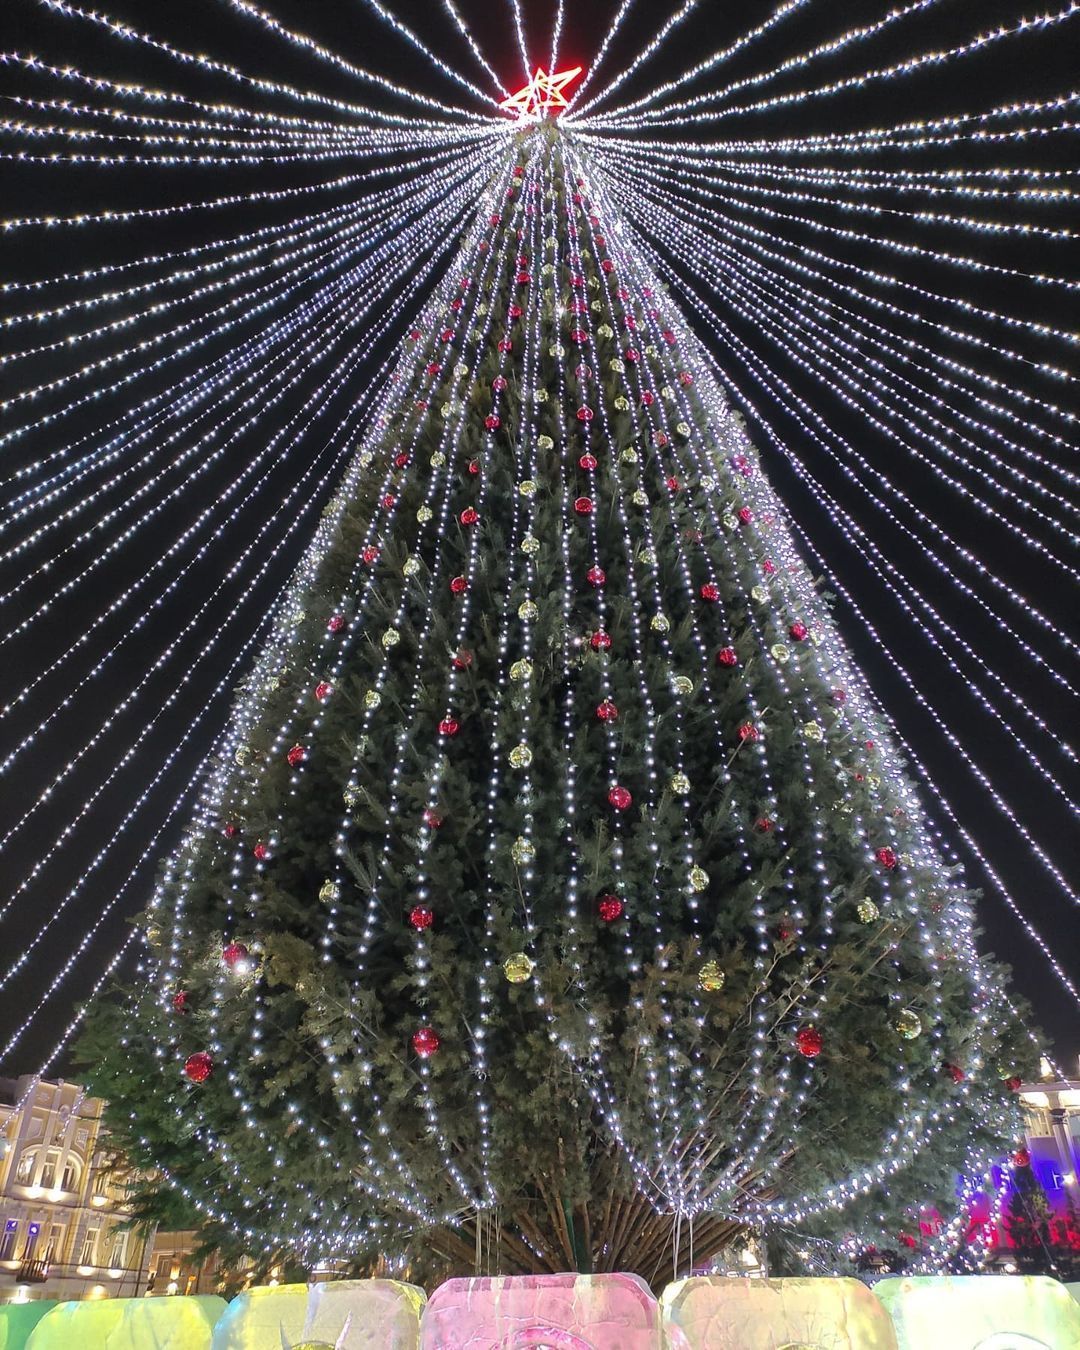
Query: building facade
62 1199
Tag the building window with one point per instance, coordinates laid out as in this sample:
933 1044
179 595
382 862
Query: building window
55 1249
70 1179
48 1172
8 1239
117 1250
88 1256
31 1241
26 1167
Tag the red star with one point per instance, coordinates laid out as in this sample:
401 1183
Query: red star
544 93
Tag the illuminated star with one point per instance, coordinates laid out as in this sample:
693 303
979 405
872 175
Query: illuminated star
543 94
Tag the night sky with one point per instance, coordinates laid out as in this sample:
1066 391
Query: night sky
1032 67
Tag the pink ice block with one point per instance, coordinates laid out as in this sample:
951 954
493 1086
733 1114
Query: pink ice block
564 1312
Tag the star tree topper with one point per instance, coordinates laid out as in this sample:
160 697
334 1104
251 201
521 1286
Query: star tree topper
543 94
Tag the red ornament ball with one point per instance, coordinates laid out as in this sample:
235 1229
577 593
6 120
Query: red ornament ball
955 1072
233 954
587 462
583 506
261 851
462 660
887 858
493 421
323 690
632 355
449 726
434 368
296 756
648 399
608 265
425 1042
1014 1083
839 697
749 732
798 632
673 484
505 345
469 516
1022 1158
432 819
620 798
769 567
370 554
180 1001
727 656
474 467
336 623
809 1042
585 414
710 592
668 336
458 585
609 908
388 501
600 641
596 576
401 461
499 383
685 378
607 711
514 312
579 336
229 830
746 515
198 1067
763 825
421 917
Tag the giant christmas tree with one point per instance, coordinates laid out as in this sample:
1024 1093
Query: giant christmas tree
555 899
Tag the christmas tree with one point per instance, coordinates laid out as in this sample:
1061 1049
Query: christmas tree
556 898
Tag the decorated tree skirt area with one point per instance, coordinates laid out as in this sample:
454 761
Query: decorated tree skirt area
574 1312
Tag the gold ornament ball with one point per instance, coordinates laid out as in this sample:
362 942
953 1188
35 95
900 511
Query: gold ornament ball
683 428
780 654
699 879
618 366
660 623
557 350
760 594
351 796
545 443
605 331
541 396
366 458
372 699
411 567
528 612
521 757
461 370
867 911
711 978
391 638
629 456
813 732
873 782
438 459
667 393
730 523
682 685
328 891
708 483
640 497
424 514
522 850
650 350
909 1025
241 755
527 488
647 556
518 968
521 670
621 403
530 545
680 784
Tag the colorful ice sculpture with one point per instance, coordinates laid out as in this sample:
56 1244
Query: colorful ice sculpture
344 1315
981 1312
717 1313
563 1312
17 1321
129 1324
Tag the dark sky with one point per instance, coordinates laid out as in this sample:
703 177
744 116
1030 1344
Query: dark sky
1028 68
